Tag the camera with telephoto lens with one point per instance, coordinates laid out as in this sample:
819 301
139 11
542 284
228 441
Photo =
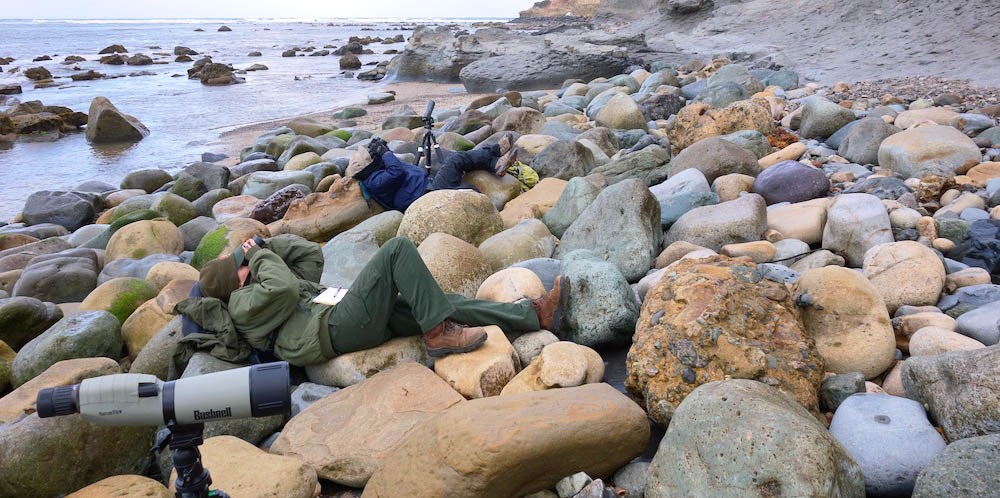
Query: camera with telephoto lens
184 405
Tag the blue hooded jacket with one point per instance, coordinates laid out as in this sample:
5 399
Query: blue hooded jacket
397 184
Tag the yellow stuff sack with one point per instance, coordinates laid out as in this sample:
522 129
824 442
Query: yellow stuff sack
526 176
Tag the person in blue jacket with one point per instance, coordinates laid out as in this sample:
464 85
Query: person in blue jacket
395 184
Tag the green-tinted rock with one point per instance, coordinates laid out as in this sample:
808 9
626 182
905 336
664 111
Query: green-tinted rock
210 247
300 145
751 140
602 307
173 207
81 335
188 187
953 229
350 113
24 318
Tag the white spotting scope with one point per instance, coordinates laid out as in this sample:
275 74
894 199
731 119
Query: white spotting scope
142 399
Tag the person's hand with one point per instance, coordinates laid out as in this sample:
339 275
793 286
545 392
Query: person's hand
248 244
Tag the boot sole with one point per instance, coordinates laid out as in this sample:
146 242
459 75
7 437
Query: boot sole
563 298
439 352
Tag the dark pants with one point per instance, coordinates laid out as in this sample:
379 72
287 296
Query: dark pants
456 165
395 295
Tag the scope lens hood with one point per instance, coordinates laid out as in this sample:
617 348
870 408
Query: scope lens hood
270 385
57 401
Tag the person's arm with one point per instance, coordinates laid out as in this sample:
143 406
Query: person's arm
303 258
389 177
262 306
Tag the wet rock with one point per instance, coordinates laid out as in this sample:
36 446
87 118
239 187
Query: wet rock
791 181
686 337
106 124
69 209
708 437
24 318
81 335
456 454
846 316
740 220
856 223
633 242
65 277
889 437
348 435
960 390
602 308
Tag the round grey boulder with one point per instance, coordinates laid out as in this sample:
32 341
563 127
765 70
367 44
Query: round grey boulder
85 334
715 157
890 438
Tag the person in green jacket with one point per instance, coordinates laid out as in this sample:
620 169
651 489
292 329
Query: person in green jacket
270 290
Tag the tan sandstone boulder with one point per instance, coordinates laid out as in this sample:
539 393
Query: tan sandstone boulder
483 372
457 266
241 469
352 368
560 364
847 317
321 215
124 486
698 121
515 445
119 296
511 284
905 272
346 436
528 239
533 203
465 214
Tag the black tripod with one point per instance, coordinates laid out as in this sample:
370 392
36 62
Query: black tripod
193 479
429 146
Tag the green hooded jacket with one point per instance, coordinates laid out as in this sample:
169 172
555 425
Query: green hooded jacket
277 305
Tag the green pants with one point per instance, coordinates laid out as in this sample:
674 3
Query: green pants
395 295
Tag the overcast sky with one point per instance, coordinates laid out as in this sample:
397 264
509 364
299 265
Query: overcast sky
145 9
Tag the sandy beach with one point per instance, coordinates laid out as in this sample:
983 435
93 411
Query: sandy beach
413 94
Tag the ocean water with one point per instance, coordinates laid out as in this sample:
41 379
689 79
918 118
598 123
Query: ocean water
184 116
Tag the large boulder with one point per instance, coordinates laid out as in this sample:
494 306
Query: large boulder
528 239
602 308
69 209
242 469
119 296
348 369
961 389
457 266
510 285
937 150
651 165
715 157
759 438
538 69
862 142
856 223
741 220
123 486
632 241
346 254
522 120
76 451
21 402
65 277
468 215
847 317
573 200
698 121
967 467
548 435
24 318
713 319
822 118
791 181
905 273
81 335
621 112
681 193
106 124
143 238
320 216
890 438
349 435
564 159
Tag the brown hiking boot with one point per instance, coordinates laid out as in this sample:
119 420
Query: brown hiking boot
549 307
449 337
508 154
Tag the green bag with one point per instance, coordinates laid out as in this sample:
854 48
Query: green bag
526 176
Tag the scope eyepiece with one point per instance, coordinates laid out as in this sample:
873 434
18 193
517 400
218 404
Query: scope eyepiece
58 401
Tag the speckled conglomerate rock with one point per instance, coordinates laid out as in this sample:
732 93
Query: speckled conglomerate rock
712 319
